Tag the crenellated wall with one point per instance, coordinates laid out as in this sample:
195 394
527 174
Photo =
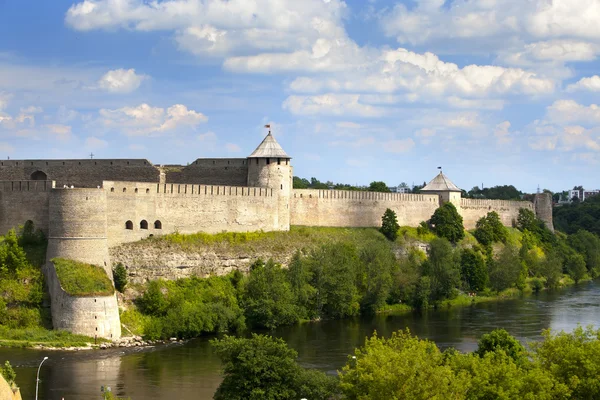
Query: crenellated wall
86 173
214 171
186 208
24 200
358 209
473 209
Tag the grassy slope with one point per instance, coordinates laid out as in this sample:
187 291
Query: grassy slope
80 279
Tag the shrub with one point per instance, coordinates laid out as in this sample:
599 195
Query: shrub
448 223
120 277
500 339
389 225
8 373
81 279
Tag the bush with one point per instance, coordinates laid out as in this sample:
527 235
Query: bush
448 223
8 373
120 277
489 229
265 368
389 225
267 297
81 279
500 339
473 270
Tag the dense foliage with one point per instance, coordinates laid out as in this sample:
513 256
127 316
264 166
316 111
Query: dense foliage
264 368
8 373
81 279
489 229
389 225
448 223
561 366
120 277
504 192
585 215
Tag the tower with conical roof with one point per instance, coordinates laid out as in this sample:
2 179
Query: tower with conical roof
269 166
443 187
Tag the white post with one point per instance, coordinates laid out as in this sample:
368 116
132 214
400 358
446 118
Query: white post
37 380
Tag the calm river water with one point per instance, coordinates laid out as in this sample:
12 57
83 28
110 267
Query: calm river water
191 371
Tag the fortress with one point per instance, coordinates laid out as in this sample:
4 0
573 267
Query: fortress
86 206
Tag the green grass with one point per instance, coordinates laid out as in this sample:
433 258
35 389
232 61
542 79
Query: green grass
30 337
80 279
238 243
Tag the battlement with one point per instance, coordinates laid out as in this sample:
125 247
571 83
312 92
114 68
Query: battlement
361 195
83 162
217 162
145 188
482 203
26 186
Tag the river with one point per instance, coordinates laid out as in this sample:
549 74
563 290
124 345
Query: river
191 370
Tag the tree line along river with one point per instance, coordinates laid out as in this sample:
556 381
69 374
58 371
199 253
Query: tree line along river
192 370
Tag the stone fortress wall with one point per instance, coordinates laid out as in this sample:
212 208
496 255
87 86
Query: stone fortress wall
120 201
137 210
345 208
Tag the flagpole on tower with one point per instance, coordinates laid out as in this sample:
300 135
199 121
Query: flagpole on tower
268 126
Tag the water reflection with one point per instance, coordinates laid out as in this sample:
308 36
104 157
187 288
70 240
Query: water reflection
191 371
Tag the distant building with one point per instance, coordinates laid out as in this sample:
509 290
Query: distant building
583 194
399 189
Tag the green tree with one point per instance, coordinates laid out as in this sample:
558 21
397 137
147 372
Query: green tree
587 244
551 268
267 297
374 276
575 265
473 270
489 229
8 373
573 359
506 270
265 368
120 277
422 293
526 220
333 276
299 277
500 339
300 183
448 223
443 269
389 225
401 367
12 255
378 186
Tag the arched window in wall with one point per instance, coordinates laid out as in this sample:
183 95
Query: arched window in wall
39 176
157 224
144 224
129 225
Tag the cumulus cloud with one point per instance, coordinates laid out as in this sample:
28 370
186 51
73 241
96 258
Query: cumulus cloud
215 27
147 120
591 84
332 104
4 98
569 111
59 131
121 81
94 143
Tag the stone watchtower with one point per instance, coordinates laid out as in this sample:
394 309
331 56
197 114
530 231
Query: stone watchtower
269 166
443 187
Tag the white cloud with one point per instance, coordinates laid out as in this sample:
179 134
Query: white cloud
502 133
232 148
121 81
399 146
463 19
4 98
591 84
215 27
58 131
6 148
147 120
207 137
569 111
331 104
94 143
32 110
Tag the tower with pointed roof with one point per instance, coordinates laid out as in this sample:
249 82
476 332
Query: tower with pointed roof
443 187
269 166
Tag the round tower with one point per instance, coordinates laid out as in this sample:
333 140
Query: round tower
269 166
77 226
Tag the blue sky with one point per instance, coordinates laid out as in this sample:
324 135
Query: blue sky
495 91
